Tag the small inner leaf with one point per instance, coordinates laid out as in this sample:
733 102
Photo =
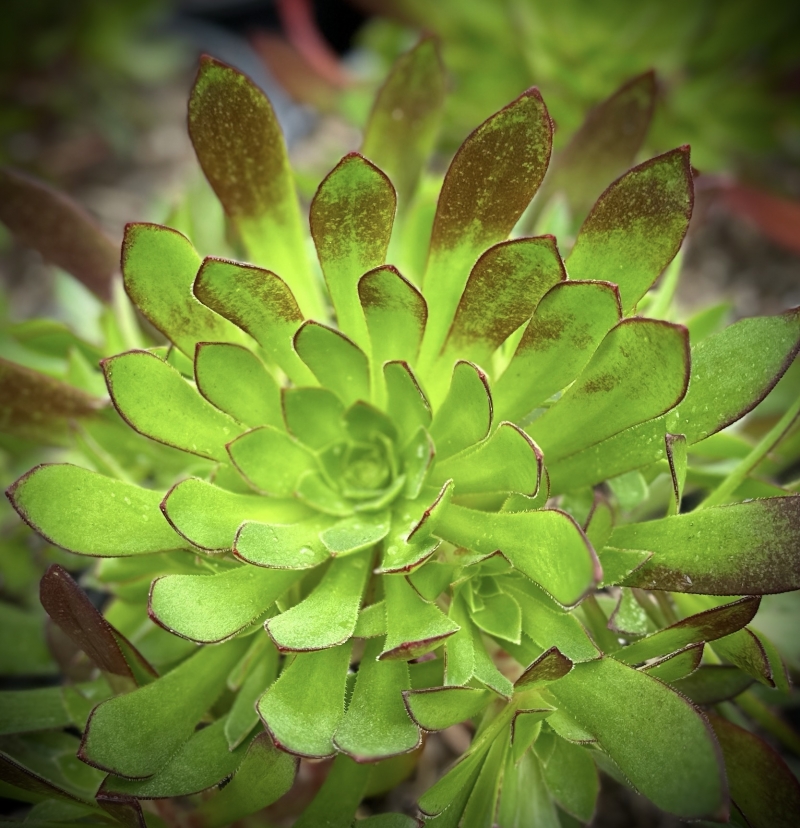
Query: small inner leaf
283 546
465 416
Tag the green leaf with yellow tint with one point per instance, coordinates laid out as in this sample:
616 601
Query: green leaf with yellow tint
465 416
283 546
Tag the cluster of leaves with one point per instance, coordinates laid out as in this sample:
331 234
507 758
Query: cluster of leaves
430 514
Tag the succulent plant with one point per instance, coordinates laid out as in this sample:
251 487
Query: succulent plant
424 515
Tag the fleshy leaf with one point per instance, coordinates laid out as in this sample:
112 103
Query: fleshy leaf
136 734
155 400
677 666
355 534
159 266
89 514
571 777
592 693
234 379
26 711
305 705
337 362
261 672
714 683
59 229
212 608
405 117
637 226
328 616
640 370
371 621
241 149
546 545
465 416
508 461
39 407
377 724
500 616
208 516
313 416
489 183
283 546
524 798
261 304
723 550
503 290
337 801
441 707
270 460
414 626
568 325
351 220
406 400
550 666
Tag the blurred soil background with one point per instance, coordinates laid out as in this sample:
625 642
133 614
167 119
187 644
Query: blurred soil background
93 101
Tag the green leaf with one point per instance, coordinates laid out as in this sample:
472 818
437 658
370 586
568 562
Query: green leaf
678 665
235 380
402 126
377 724
640 371
524 799
303 708
264 776
328 616
354 534
406 400
451 791
159 266
414 626
550 666
240 147
675 445
572 779
351 219
762 786
60 230
371 621
135 735
482 803
35 406
314 416
260 303
395 314
723 550
213 608
440 707
637 226
283 546
565 330
714 683
489 183
242 717
271 461
545 545
693 784
313 489
89 514
706 626
337 362
502 292
26 711
155 400
208 517
337 801
465 416
507 461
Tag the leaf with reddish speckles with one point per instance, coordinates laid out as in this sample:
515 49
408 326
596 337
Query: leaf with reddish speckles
241 149
59 229
490 182
337 362
567 326
606 144
155 400
212 608
440 707
395 313
405 117
763 787
39 407
351 220
545 545
694 786
70 608
234 379
328 616
89 514
135 735
159 266
304 707
414 626
637 226
640 371
507 461
377 724
503 290
705 626
723 550
258 302
549 667
465 415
